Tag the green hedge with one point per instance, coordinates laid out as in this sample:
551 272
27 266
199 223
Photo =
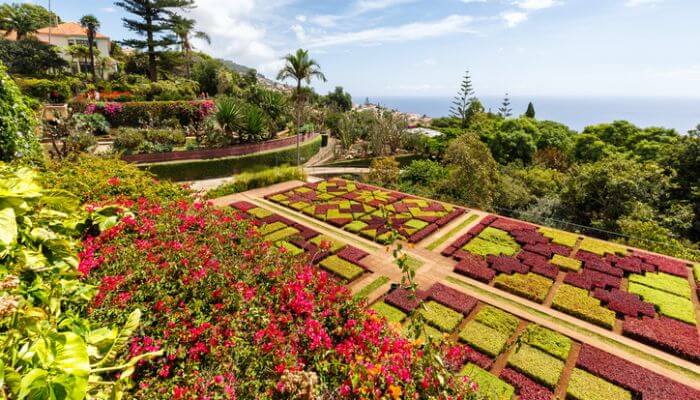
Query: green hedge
222 167
566 263
537 364
497 319
253 180
365 162
492 241
484 338
441 317
584 386
664 282
391 313
139 113
668 304
490 387
374 285
549 341
576 301
342 268
530 286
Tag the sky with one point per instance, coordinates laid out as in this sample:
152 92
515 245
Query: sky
568 48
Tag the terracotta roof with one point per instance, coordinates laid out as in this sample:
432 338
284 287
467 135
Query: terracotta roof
69 29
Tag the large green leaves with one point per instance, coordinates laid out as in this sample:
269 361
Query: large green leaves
8 228
122 338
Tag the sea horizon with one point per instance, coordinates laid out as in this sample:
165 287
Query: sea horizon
679 113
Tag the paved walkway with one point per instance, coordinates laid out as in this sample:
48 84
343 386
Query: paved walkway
437 268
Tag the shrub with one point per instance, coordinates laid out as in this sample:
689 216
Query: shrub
95 124
489 386
498 319
342 268
392 314
493 241
475 267
531 286
371 287
220 167
560 237
128 140
668 304
334 245
666 333
164 90
440 316
17 124
95 179
601 247
252 180
458 355
281 234
537 364
452 298
576 301
81 141
137 114
403 299
384 171
584 386
665 282
696 272
484 338
566 263
549 341
526 387
45 90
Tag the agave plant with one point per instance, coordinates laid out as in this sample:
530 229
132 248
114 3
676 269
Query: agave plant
229 115
256 124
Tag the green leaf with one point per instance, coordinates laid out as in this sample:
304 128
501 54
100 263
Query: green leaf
71 357
132 323
34 385
8 226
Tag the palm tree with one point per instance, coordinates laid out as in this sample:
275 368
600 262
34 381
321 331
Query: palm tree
183 28
91 25
78 52
17 18
300 67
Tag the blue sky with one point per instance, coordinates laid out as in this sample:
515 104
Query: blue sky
421 48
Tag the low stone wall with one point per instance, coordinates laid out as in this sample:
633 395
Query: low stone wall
207 154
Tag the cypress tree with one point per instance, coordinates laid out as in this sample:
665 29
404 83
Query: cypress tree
530 113
152 22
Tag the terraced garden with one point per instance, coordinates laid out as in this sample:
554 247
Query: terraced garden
646 297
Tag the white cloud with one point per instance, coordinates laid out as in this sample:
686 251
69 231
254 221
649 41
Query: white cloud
513 18
299 32
363 6
301 18
412 31
473 1
535 4
109 9
636 3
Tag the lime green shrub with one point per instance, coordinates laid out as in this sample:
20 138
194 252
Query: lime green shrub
665 282
602 247
253 180
576 301
696 272
560 237
267 229
371 287
584 386
531 286
490 387
17 123
537 364
344 269
335 245
290 248
281 234
498 319
441 317
492 241
259 212
566 263
549 341
668 304
484 338
391 313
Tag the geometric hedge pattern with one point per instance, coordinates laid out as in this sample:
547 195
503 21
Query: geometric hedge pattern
367 210
602 282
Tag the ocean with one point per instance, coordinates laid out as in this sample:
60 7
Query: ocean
681 114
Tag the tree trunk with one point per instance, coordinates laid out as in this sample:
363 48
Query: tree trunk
91 43
152 71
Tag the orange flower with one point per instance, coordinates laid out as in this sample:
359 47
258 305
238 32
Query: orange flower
395 392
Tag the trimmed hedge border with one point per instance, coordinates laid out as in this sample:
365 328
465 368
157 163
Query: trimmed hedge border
224 167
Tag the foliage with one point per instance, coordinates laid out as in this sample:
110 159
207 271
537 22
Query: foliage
46 90
473 177
576 301
484 338
516 139
462 108
530 112
251 180
133 140
668 304
423 173
441 317
342 268
549 341
30 57
17 124
493 241
531 286
585 386
221 167
95 179
391 313
384 171
537 364
95 124
665 282
167 90
339 100
206 73
489 386
50 350
149 113
566 263
371 287
497 319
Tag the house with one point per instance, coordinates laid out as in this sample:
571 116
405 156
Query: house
67 34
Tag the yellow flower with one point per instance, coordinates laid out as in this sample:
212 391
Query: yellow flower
395 392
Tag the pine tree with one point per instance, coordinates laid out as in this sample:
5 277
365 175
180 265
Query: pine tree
461 102
530 113
152 23
505 111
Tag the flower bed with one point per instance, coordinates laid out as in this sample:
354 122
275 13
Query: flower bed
403 300
668 283
575 301
549 341
367 210
566 263
530 286
392 314
371 287
484 338
642 382
537 365
624 303
526 388
342 268
673 336
584 386
441 317
498 319
452 298
459 355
